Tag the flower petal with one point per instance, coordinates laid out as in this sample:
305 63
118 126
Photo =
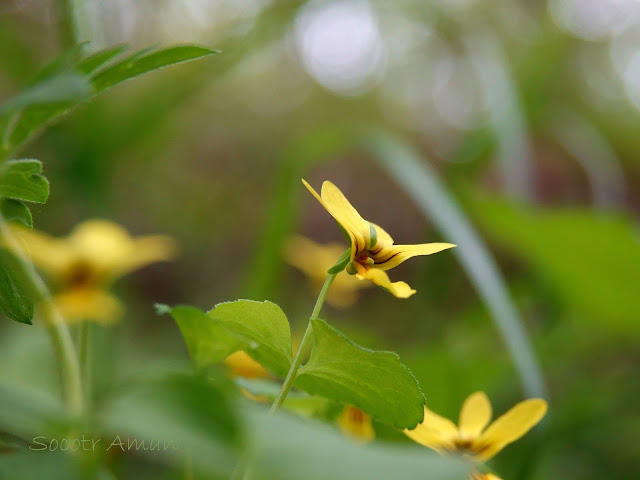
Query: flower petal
435 432
51 255
88 304
384 239
380 278
474 415
510 427
240 364
394 255
356 424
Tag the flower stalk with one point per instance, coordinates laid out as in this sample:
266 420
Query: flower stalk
55 325
304 344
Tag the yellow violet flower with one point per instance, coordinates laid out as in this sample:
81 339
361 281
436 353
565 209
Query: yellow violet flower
356 424
240 364
314 259
83 265
372 249
471 437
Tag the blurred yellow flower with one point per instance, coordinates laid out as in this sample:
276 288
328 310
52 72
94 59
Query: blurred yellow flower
484 476
83 265
240 364
356 424
314 260
470 437
372 249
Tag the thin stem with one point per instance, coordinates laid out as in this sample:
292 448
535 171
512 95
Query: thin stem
86 361
79 20
293 371
56 326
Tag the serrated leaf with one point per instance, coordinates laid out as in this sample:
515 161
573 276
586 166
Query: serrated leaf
208 341
22 180
374 381
265 328
16 211
138 64
16 300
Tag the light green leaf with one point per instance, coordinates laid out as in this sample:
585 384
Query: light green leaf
591 258
299 402
142 62
288 448
15 296
22 180
208 341
263 326
374 381
98 59
189 417
16 211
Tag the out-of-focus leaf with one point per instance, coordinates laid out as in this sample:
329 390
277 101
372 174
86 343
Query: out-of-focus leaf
15 295
52 97
286 448
138 64
23 180
592 259
299 402
263 326
16 211
64 87
29 413
374 381
207 341
182 416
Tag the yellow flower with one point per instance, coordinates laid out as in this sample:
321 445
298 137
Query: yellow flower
314 260
356 424
83 265
470 437
484 476
372 249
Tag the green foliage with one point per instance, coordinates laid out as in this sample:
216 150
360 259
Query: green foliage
71 79
23 180
207 341
16 296
374 381
264 328
575 250
16 211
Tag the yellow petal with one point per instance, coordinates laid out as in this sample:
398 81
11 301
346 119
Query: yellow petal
474 415
111 251
51 255
509 427
483 476
349 219
88 304
310 257
435 432
384 239
380 278
356 424
394 255
242 365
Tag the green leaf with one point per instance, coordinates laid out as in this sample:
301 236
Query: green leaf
263 326
374 381
98 59
15 295
140 63
287 448
592 259
16 211
192 417
22 180
208 341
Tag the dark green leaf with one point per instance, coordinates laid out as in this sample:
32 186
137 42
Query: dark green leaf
15 296
263 326
22 180
16 211
374 381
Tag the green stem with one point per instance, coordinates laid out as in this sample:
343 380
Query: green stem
293 371
86 365
56 326
78 18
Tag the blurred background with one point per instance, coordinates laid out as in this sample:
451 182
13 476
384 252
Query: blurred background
525 114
